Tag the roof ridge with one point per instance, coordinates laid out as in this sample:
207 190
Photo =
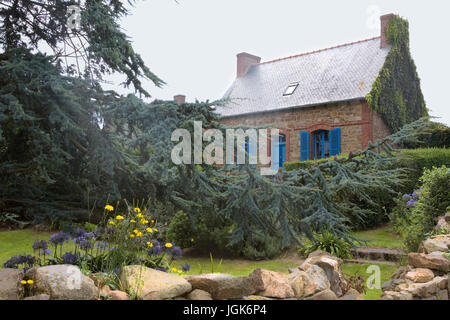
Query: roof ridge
319 50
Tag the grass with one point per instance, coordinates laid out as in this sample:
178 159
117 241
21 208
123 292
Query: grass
20 242
382 237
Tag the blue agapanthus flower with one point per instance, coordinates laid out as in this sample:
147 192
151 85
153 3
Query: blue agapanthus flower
411 203
156 250
101 245
69 258
174 252
186 267
45 252
161 269
40 245
15 261
83 242
59 238
77 232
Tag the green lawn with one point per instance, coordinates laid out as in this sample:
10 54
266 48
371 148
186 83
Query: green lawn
20 242
382 237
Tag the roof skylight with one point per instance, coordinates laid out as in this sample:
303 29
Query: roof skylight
290 89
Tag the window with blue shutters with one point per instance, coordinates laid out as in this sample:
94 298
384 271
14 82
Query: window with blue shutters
335 142
304 145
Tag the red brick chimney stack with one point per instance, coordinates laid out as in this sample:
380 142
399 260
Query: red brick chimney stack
244 62
384 21
179 98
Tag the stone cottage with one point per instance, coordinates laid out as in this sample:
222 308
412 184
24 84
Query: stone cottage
316 99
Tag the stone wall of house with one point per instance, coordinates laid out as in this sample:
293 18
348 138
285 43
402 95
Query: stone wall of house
380 129
349 116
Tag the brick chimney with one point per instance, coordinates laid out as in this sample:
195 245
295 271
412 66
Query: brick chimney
179 98
384 21
244 62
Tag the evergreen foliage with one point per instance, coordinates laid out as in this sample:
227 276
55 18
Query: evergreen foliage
396 92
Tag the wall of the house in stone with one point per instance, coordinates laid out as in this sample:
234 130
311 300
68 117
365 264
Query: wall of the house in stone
358 126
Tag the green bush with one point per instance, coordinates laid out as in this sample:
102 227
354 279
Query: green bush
295 165
327 242
415 215
211 234
438 136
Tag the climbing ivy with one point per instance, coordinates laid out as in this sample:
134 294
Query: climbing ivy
396 93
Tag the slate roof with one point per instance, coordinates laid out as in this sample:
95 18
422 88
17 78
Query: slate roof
341 73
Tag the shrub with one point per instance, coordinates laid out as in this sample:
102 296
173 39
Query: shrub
327 242
211 233
124 238
415 215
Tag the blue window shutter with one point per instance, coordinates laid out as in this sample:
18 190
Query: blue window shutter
251 149
304 145
335 141
275 156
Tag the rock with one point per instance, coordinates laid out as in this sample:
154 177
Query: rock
293 270
425 290
323 295
38 297
447 217
351 294
298 281
401 272
151 284
118 295
316 281
271 284
437 243
391 285
105 290
331 266
198 294
432 261
442 295
441 282
222 286
98 278
254 298
443 224
319 253
420 275
393 295
10 283
62 282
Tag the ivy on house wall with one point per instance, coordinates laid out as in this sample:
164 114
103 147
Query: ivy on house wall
396 93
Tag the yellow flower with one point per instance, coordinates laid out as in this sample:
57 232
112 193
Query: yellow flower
137 210
23 282
154 229
119 218
131 235
139 234
168 245
143 221
174 269
149 230
153 221
150 244
132 220
136 231
140 215
30 282
180 271
192 239
109 207
111 222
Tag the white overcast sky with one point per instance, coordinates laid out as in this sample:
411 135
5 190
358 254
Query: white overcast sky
192 44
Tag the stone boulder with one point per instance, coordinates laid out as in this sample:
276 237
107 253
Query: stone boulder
38 297
443 223
351 294
113 294
298 281
10 283
420 275
62 282
222 286
439 243
271 284
151 284
332 267
316 281
394 295
198 294
323 295
434 261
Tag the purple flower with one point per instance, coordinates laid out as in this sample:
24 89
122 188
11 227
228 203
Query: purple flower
70 258
411 203
39 245
83 242
415 194
78 232
406 196
174 252
186 267
156 250
161 269
59 238
15 261
101 245
45 252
